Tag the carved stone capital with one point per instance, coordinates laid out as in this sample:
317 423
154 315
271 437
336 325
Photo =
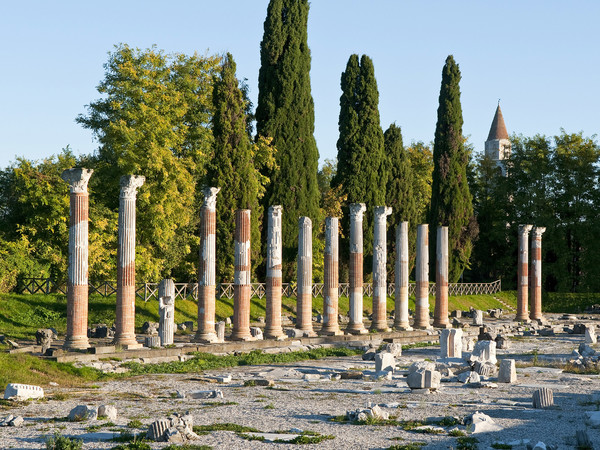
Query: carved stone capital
275 211
538 231
130 184
525 229
210 197
304 222
381 213
77 179
356 211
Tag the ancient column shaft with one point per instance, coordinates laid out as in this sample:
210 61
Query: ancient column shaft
536 273
440 315
379 322
273 328
304 302
355 325
331 273
241 283
125 314
166 304
206 271
422 278
523 273
77 283
401 279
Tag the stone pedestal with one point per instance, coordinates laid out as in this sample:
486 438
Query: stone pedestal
440 315
355 325
273 328
422 279
536 273
331 272
206 270
379 322
401 294
77 282
166 305
451 343
125 314
523 274
304 302
241 282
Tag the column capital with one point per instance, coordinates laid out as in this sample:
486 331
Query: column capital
210 197
381 213
356 211
538 231
275 210
304 222
525 229
129 185
77 179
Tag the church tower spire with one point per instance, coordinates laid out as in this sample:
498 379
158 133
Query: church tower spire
497 146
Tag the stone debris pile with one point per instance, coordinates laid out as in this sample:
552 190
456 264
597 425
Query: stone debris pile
176 429
12 421
370 413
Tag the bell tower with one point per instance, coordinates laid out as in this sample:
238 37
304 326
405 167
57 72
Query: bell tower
497 146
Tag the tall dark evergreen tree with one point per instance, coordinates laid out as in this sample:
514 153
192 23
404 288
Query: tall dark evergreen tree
232 168
399 193
451 200
285 112
362 165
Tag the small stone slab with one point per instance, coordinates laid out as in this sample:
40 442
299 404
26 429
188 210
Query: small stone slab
17 391
351 375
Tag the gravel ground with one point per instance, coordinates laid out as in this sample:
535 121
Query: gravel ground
301 401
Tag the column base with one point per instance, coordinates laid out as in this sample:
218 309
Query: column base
275 337
308 333
76 343
380 328
206 338
330 332
422 327
403 327
243 338
525 319
127 342
356 329
442 325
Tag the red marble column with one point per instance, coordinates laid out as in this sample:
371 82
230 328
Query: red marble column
536 273
241 283
356 326
523 274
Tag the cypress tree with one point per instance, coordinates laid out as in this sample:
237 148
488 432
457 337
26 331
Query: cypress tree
399 193
285 112
232 168
362 165
451 200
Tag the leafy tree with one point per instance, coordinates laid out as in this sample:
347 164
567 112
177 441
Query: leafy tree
451 201
361 171
285 113
400 192
233 168
153 120
421 163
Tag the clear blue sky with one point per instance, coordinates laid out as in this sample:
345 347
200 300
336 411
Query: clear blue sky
541 58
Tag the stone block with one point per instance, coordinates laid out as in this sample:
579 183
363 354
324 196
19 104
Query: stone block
424 379
484 351
256 333
451 343
204 394
590 334
83 412
157 430
482 423
508 371
16 391
501 343
394 348
152 341
421 365
485 369
477 318
369 355
469 377
456 313
16 422
220 329
543 398
352 375
107 411
150 328
384 362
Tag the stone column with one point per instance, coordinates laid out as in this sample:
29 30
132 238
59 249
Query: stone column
273 328
355 326
166 304
304 300
125 314
536 273
440 314
77 287
331 287
241 277
401 292
379 322
523 274
422 278
206 270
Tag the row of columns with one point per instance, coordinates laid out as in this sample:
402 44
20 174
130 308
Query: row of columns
529 281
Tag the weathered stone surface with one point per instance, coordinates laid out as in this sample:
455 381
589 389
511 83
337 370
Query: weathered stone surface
16 422
523 273
590 334
502 343
355 325
478 318
422 278
451 343
242 269
351 375
485 369
484 351
424 379
273 287
166 309
585 350
543 398
152 341
393 348
217 393
304 275
401 278
44 337
101 331
20 392
440 314
83 412
482 423
107 411
469 377
508 371
157 429
220 329
379 321
373 412
150 328
369 355
421 365
256 333
384 362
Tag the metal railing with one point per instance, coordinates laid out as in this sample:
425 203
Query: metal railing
147 291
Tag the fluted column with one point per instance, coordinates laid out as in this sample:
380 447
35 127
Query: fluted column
77 283
166 305
523 273
379 322
125 314
273 328
241 276
422 278
331 273
536 273
401 291
356 326
206 270
440 314
304 301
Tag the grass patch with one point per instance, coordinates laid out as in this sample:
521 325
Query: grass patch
568 302
187 447
135 424
466 443
58 442
411 446
270 406
456 433
135 445
501 446
307 437
216 404
224 427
